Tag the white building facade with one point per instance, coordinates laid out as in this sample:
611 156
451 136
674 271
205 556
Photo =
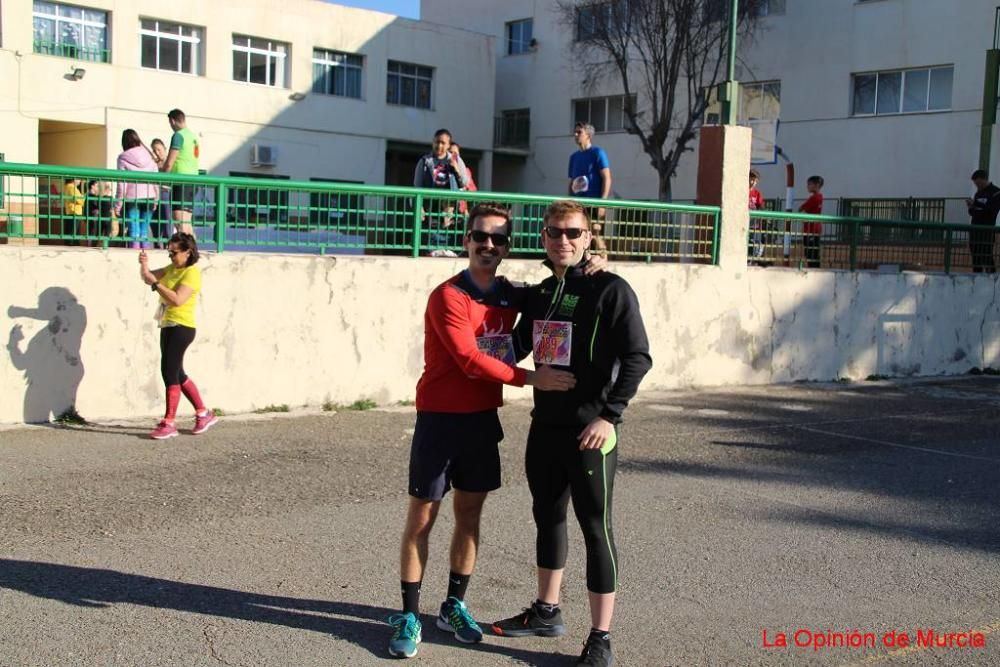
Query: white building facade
298 89
883 98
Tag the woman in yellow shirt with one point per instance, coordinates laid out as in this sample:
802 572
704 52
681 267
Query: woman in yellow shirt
177 285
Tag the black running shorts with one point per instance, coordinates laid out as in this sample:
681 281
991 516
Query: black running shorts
459 450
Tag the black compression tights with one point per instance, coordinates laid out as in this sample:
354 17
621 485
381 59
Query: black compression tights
174 342
557 470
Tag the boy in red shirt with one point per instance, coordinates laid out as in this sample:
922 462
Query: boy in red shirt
756 203
811 231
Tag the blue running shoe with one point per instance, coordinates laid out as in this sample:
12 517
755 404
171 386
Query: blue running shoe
406 636
455 617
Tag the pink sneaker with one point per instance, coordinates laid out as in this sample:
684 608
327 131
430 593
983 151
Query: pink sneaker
163 431
202 424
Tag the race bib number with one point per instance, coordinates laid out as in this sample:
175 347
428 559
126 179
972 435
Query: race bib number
551 342
499 347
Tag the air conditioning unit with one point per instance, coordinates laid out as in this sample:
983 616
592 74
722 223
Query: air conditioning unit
263 156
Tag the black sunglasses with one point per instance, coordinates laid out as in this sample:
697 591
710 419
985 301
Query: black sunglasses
480 236
569 232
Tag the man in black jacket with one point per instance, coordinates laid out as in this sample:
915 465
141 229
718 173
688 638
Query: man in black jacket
983 208
590 326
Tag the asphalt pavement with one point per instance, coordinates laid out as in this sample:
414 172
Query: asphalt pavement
809 513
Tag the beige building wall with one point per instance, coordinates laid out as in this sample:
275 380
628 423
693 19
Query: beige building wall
321 136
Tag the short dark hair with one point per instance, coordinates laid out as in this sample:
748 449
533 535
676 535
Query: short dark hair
980 173
754 174
818 180
489 208
442 131
186 242
564 208
177 116
157 141
130 139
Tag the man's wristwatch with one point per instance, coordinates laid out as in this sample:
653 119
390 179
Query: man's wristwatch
154 286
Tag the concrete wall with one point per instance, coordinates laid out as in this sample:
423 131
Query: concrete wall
303 330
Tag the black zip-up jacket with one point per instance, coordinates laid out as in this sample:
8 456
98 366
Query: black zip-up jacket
985 206
609 349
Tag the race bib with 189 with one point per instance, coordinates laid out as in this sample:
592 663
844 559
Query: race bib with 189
551 342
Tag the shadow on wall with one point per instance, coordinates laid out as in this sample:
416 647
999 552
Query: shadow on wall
51 362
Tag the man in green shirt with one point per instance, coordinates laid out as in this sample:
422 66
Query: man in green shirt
182 158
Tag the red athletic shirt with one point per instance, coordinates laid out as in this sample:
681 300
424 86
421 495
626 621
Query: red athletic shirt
813 205
756 200
458 376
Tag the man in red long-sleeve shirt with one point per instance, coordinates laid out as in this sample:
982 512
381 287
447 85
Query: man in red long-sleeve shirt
468 357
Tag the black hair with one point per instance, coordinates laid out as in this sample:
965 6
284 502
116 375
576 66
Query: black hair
818 180
980 173
442 131
490 208
177 116
186 242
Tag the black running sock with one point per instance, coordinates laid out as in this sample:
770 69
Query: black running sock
411 596
458 584
545 610
604 636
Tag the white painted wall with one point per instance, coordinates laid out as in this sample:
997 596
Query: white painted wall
812 49
321 136
300 330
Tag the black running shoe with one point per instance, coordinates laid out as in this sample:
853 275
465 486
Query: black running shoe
596 653
529 624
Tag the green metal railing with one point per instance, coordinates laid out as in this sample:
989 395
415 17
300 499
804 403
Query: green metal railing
832 242
75 51
236 213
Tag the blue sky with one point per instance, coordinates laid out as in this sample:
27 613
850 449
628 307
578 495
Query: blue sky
407 8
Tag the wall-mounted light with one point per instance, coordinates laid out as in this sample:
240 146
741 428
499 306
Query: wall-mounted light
76 74
297 97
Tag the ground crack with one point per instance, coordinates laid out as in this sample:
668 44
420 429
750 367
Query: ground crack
210 640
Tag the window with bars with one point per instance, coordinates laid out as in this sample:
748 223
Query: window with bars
519 36
336 73
902 91
258 60
172 47
513 129
70 31
606 114
409 85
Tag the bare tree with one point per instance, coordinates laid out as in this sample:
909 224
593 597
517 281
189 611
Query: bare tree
667 55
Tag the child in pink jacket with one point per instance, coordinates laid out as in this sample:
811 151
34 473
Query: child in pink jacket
138 199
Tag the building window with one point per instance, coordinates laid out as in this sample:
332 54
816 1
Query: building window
902 91
593 20
770 7
336 73
513 128
606 114
257 60
70 31
170 46
409 85
519 36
